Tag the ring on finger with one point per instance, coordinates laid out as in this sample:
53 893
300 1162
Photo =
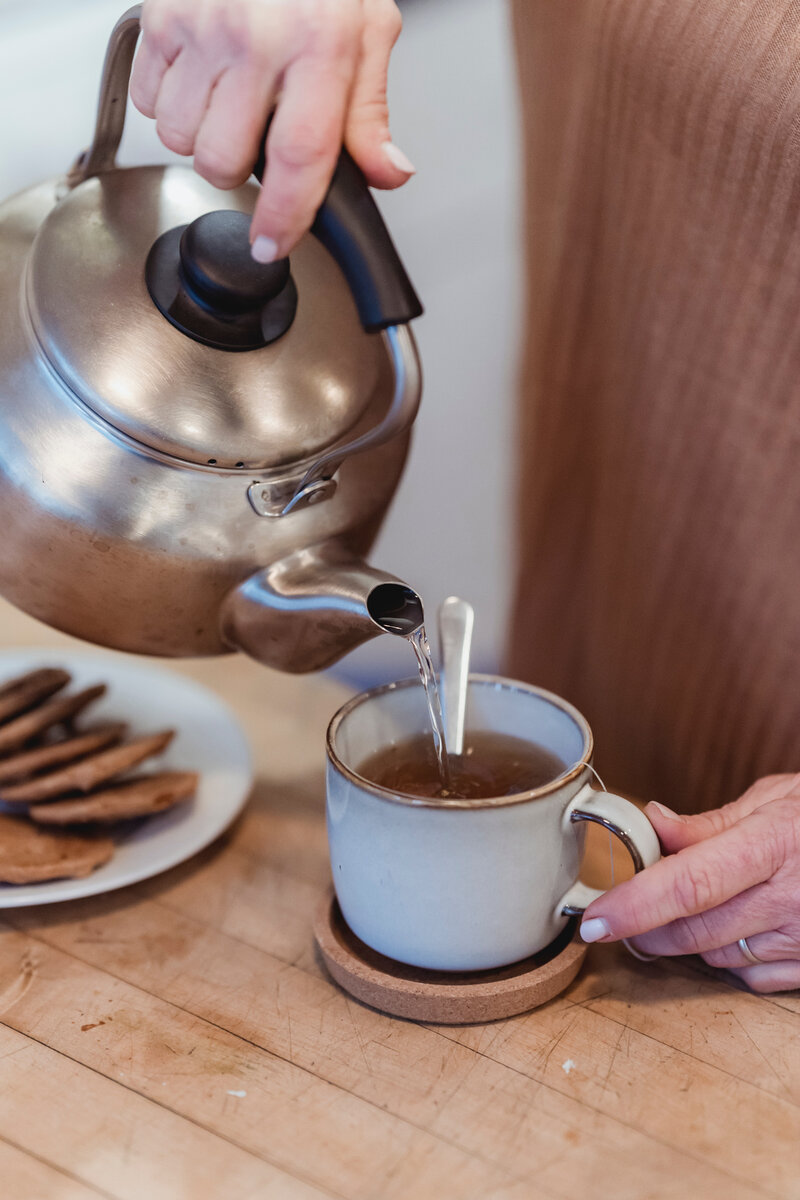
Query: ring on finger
642 955
748 953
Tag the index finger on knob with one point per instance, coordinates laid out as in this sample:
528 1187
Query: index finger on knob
303 146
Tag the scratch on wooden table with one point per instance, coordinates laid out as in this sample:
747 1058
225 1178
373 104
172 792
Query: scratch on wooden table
349 1006
441 1102
19 1049
761 1054
551 1051
289 1034
590 999
605 1084
17 988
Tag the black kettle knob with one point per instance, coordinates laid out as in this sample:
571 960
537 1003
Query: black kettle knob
205 281
220 270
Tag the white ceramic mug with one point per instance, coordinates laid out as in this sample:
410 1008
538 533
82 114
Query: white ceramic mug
466 885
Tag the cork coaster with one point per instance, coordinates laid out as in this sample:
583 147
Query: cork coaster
443 997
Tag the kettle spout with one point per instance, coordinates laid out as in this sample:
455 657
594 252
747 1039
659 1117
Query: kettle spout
306 611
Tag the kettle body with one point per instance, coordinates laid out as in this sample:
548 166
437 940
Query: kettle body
161 491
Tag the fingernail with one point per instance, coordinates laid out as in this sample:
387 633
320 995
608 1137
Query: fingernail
594 929
665 812
264 249
398 159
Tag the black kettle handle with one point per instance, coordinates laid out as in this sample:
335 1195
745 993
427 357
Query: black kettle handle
348 222
351 228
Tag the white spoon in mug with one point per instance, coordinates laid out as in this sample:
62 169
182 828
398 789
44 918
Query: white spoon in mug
456 621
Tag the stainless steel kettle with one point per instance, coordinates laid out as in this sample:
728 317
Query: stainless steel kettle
196 450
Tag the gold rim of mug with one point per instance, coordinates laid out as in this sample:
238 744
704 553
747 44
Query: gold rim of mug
515 685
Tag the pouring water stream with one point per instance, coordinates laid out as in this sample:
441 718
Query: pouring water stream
456 619
398 610
419 643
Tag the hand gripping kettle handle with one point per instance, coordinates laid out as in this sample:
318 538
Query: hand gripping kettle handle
348 222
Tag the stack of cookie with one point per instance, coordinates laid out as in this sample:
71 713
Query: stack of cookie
61 775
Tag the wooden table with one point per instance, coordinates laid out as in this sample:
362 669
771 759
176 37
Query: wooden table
180 1040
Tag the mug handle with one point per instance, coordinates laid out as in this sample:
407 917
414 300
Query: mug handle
624 820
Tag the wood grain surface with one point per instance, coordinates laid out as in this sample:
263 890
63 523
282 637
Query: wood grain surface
180 1039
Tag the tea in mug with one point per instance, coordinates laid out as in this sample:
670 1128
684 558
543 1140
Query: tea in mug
492 764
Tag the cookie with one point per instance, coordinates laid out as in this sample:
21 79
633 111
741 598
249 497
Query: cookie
86 774
46 758
23 729
134 798
31 855
20 694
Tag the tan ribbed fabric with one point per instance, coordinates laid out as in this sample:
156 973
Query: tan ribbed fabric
659 584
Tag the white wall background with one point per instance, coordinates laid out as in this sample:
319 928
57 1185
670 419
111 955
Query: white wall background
452 97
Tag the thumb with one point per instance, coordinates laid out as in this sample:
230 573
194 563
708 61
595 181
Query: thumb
367 134
676 832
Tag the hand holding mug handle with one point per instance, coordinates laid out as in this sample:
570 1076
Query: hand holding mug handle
624 820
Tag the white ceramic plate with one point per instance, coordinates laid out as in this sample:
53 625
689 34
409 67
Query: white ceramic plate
209 739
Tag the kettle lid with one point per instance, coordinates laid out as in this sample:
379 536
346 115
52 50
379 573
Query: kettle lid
208 358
